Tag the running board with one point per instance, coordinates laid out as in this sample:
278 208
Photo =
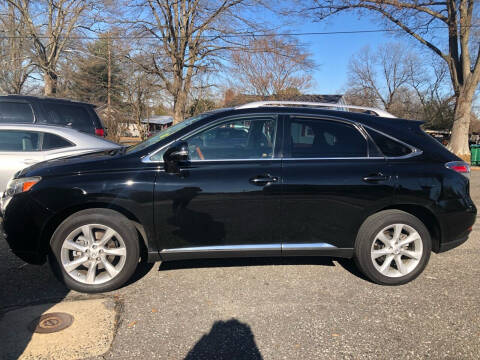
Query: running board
258 250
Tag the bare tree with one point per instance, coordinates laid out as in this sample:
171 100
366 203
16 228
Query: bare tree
50 24
402 82
189 34
270 66
429 81
15 60
141 92
379 76
437 25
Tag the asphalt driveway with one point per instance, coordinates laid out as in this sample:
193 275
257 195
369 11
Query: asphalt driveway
295 308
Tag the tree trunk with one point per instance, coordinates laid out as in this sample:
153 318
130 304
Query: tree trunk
459 140
50 80
179 104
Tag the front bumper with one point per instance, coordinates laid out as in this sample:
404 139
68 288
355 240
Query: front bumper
22 226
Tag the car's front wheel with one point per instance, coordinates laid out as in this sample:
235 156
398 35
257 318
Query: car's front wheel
392 247
94 250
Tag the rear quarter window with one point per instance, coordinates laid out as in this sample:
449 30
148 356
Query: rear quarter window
13 112
52 141
74 116
388 146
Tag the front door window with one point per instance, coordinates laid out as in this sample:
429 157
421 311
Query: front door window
252 138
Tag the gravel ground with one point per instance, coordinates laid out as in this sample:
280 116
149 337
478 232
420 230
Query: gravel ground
295 308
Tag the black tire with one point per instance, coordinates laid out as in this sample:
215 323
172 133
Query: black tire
366 236
106 217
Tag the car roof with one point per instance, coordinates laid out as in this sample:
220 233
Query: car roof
75 136
41 98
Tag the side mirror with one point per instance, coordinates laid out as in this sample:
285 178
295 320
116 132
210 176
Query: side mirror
176 154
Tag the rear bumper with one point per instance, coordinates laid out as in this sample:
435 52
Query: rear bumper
452 244
455 227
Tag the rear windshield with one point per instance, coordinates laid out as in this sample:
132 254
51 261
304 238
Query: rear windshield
74 116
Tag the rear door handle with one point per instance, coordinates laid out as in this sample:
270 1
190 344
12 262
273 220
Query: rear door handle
375 177
261 180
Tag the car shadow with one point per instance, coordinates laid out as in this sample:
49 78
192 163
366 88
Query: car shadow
142 269
226 340
238 262
347 264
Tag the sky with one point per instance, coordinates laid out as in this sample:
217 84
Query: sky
332 53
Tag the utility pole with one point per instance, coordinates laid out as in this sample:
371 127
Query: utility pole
109 75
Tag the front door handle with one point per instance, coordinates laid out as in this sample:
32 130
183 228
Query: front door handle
375 177
262 180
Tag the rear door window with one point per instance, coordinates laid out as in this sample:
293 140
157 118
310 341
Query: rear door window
19 141
317 138
14 112
74 116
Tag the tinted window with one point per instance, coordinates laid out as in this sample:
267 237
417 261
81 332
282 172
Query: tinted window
387 146
75 116
52 141
11 112
311 138
13 140
239 139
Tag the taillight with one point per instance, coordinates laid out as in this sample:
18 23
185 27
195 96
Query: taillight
100 132
460 167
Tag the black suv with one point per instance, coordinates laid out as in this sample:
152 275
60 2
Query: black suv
15 109
256 180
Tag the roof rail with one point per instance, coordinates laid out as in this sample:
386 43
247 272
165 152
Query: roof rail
256 104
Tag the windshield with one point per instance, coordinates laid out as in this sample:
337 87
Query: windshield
167 132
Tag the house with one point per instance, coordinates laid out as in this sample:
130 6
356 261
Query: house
158 123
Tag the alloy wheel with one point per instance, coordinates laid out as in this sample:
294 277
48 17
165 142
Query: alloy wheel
396 250
93 254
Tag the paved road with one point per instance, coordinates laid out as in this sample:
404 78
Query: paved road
281 308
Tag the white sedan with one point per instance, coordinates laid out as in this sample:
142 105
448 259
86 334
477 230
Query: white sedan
24 145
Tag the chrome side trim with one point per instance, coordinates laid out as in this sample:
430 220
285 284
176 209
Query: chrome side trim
253 247
258 247
339 158
279 159
259 159
307 246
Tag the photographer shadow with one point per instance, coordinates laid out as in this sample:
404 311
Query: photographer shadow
230 339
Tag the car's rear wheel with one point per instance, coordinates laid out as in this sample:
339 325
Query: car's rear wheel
94 250
392 247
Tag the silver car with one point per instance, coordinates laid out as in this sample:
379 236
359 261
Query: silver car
24 145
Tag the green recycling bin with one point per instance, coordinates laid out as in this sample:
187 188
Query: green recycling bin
475 155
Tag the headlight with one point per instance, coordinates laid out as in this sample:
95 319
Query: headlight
17 186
